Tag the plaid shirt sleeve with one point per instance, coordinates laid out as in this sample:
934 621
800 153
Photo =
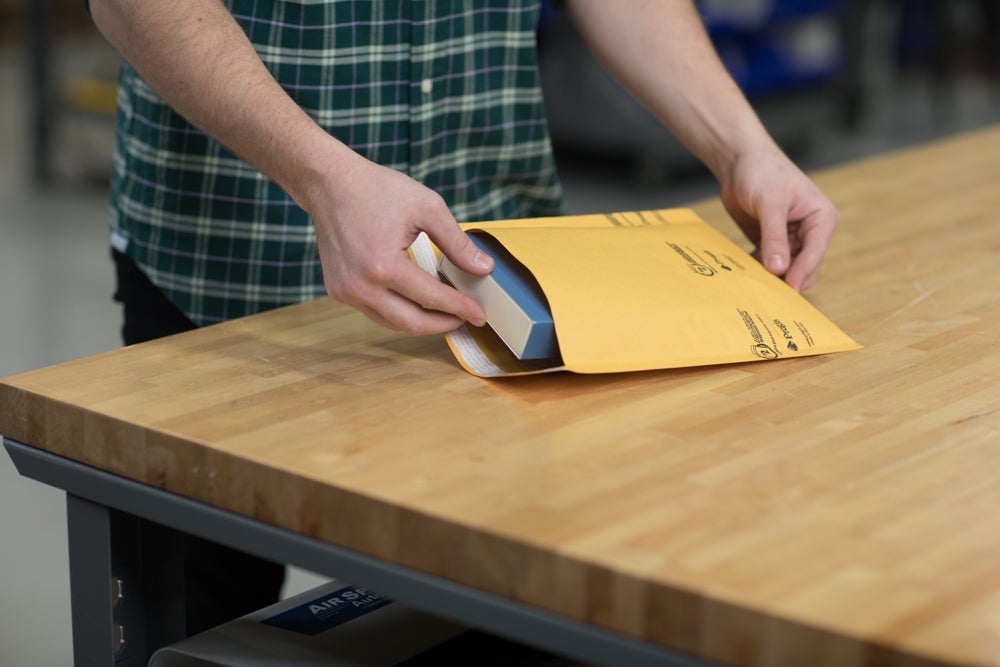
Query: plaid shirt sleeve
444 91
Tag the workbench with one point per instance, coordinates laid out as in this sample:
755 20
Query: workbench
831 510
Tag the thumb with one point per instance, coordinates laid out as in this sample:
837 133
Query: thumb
463 253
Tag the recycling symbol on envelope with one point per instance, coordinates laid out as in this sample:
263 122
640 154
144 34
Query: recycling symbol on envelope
768 344
697 263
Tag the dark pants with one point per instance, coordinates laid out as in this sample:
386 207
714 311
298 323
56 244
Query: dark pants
220 583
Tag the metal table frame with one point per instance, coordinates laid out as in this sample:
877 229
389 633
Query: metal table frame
123 530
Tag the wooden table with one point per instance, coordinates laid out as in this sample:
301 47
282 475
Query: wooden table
836 510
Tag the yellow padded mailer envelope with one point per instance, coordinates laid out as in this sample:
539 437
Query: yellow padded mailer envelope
647 290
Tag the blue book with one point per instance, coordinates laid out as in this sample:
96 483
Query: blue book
516 308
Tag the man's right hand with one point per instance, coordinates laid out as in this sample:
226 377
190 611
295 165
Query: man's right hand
196 57
366 219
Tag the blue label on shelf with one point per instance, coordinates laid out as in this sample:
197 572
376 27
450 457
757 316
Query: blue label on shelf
329 611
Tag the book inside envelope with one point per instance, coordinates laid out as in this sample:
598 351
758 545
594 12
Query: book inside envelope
644 290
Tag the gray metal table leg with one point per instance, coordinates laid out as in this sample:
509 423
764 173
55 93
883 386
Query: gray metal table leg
126 585
90 582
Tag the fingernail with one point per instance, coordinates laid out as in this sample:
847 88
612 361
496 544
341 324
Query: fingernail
483 261
775 263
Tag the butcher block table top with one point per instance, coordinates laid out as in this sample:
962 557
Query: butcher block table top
833 510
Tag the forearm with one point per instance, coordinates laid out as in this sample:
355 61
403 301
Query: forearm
659 51
194 54
196 57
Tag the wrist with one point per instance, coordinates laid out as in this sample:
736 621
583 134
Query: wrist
317 165
733 142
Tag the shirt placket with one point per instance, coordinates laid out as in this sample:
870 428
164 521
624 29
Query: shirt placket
426 87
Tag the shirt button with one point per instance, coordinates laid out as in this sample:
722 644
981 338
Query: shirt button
426 86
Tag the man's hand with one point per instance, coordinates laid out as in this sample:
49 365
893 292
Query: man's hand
782 212
363 229
659 51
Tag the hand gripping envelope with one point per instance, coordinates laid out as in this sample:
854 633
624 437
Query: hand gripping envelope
639 291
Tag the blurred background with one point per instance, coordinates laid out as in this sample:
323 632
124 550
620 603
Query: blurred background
833 80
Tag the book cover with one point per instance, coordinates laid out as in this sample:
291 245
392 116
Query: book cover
516 308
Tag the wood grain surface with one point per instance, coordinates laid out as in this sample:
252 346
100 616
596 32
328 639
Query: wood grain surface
835 510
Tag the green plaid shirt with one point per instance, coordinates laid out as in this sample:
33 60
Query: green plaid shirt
446 91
